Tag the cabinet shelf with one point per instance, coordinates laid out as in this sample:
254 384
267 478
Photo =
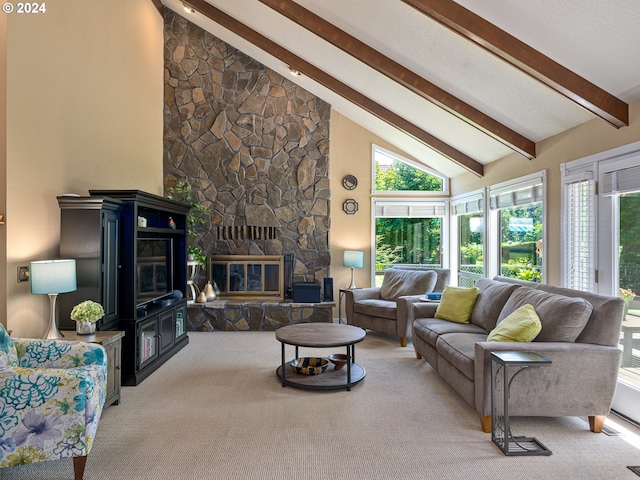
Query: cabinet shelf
159 230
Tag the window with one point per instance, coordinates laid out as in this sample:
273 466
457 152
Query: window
468 239
394 173
579 230
517 210
407 233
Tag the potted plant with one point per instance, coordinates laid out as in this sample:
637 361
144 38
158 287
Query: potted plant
86 314
198 213
196 253
627 295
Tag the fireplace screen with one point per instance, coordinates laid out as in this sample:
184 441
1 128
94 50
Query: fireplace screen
248 276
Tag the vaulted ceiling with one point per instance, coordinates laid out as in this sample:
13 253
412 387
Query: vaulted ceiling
456 85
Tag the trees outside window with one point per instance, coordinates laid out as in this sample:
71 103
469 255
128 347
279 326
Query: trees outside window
521 242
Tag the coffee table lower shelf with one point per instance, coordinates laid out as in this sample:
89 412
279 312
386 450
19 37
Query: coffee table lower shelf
330 379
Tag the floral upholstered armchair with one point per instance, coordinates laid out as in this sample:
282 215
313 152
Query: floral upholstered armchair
51 398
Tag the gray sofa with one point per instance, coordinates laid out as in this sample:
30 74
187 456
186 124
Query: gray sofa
580 335
385 309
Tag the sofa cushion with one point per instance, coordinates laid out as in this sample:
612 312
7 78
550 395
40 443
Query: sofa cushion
457 304
377 308
562 318
429 329
399 283
459 350
523 325
492 295
8 353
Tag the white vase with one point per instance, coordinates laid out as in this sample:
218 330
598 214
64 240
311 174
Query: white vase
85 328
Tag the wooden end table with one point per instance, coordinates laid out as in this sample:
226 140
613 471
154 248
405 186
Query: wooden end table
112 343
322 335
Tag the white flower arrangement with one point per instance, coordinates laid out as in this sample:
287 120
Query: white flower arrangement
87 311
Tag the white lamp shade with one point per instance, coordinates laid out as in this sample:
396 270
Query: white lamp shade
52 276
353 259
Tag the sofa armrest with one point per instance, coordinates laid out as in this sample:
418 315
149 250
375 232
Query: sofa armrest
355 295
364 293
419 310
43 353
403 307
69 399
580 381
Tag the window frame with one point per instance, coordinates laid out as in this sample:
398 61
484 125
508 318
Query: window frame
468 203
399 158
536 183
440 208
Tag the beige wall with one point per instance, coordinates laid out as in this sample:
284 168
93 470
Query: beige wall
84 111
3 166
587 139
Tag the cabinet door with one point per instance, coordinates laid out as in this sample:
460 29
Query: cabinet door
110 267
147 341
167 327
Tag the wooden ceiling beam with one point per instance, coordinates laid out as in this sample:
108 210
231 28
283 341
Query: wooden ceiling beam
402 75
336 86
532 62
158 4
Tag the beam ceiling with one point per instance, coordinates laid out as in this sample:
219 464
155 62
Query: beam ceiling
158 4
336 86
405 77
532 62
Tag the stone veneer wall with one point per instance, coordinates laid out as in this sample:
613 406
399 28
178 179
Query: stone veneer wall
230 315
254 147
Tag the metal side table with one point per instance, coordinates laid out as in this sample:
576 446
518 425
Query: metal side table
502 363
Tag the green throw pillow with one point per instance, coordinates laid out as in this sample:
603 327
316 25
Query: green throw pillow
523 325
457 304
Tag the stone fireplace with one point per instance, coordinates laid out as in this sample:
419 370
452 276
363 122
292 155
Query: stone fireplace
253 146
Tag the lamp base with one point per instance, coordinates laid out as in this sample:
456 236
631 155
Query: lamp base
353 281
52 332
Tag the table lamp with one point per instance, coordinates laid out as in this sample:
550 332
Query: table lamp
52 277
353 259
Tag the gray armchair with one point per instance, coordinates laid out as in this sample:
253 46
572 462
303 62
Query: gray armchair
385 309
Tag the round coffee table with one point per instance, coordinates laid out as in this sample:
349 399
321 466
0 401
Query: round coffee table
322 335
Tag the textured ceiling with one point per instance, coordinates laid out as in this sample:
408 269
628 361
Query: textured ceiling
598 40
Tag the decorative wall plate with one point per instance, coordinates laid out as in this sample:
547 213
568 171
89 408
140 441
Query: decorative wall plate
350 206
349 182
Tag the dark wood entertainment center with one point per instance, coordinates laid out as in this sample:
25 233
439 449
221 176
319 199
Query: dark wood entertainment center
130 251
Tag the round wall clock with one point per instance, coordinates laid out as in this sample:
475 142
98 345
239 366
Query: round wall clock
349 182
350 206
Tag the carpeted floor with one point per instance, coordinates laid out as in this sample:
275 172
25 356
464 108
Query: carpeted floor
217 411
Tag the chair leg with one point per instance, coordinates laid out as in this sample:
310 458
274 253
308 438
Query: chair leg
418 356
596 422
485 423
78 467
403 341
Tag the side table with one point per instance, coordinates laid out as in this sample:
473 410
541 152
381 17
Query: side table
341 293
501 364
112 343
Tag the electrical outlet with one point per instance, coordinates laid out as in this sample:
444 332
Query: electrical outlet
23 274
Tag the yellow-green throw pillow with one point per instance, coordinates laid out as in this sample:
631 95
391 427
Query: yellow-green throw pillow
523 325
457 304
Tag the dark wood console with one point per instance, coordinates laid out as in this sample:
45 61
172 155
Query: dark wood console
130 248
